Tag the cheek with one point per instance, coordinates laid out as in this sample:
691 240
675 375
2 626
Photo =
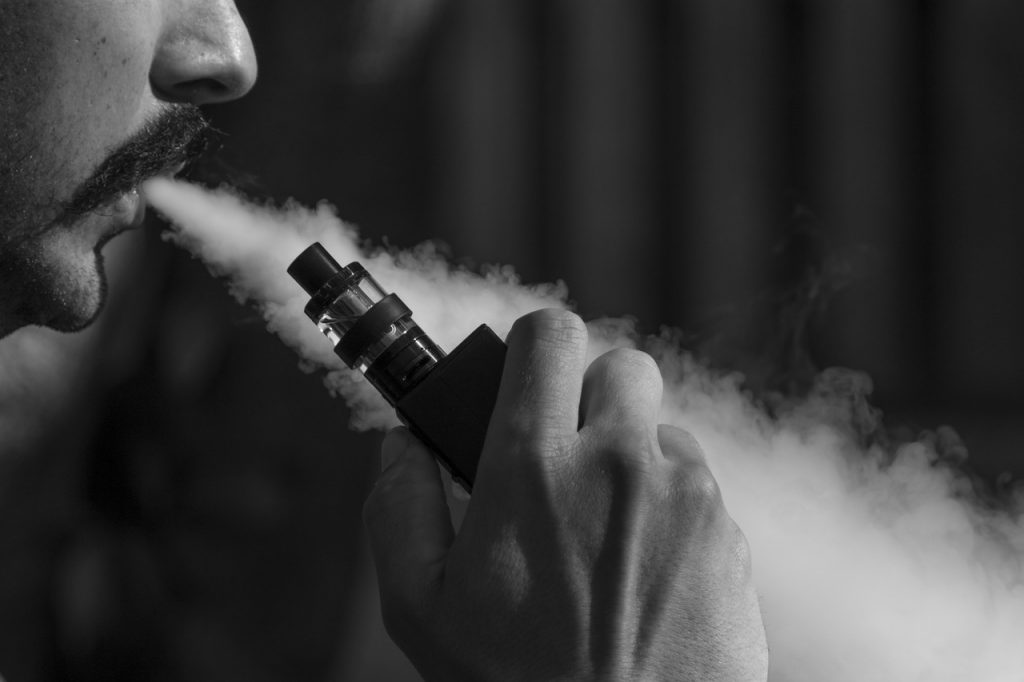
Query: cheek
26 167
75 83
101 87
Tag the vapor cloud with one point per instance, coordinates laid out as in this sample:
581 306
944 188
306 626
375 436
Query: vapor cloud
874 564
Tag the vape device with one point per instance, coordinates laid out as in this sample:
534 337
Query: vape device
446 400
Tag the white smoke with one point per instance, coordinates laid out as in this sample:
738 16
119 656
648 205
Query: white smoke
253 246
873 565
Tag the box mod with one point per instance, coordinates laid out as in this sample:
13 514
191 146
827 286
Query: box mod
445 399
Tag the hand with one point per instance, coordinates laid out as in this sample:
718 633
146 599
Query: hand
595 546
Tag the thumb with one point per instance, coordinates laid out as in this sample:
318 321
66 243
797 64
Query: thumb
407 520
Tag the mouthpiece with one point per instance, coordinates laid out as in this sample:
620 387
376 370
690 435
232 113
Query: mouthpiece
445 400
371 331
314 268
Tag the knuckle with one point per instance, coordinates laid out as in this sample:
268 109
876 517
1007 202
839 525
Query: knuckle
742 562
678 442
732 556
528 446
695 494
695 489
704 490
628 365
555 462
549 326
624 454
526 434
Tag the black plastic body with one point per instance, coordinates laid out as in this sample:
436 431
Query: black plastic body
450 409
314 268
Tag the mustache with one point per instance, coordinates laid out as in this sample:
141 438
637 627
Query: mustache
179 135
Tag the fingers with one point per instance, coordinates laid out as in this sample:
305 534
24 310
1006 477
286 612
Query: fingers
408 524
622 392
691 482
539 398
680 446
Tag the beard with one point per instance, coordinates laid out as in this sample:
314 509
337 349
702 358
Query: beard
51 263
179 136
51 281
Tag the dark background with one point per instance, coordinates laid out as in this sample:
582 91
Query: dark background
702 164
795 185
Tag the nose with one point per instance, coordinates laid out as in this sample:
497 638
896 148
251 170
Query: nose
204 54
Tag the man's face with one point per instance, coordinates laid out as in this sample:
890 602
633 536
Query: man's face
95 95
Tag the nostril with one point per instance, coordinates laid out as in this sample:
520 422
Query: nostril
201 90
210 85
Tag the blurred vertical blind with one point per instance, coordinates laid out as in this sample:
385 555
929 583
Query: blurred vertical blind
657 156
696 163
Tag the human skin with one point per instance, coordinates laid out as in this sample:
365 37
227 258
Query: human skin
596 545
598 552
77 79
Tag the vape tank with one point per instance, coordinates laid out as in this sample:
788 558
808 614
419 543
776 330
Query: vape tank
446 400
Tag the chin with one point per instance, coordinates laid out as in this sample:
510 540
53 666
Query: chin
80 299
74 319
58 289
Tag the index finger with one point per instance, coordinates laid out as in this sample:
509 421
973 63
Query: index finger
539 397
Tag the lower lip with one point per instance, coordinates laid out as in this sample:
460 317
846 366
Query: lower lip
130 208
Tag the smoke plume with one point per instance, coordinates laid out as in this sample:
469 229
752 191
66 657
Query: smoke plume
874 563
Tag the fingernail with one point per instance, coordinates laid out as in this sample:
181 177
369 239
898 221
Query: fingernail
394 446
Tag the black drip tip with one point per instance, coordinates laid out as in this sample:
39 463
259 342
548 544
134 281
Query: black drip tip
313 268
